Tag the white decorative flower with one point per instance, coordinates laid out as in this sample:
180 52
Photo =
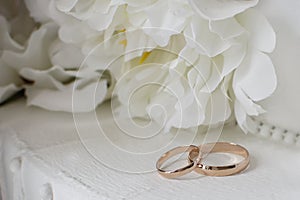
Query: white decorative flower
50 62
181 63
175 91
213 72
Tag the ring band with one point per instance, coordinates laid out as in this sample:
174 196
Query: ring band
181 171
222 147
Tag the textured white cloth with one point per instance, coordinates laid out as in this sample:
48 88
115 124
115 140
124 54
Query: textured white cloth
43 158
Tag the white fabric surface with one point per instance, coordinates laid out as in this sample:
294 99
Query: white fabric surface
43 158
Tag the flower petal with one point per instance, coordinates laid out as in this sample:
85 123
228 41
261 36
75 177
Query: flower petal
226 28
36 54
232 58
240 116
76 32
8 75
199 36
261 33
52 78
101 21
256 77
102 55
39 10
243 120
10 82
65 5
218 108
70 98
200 73
139 3
216 9
137 42
188 55
186 116
165 20
138 101
8 91
136 87
6 42
85 8
68 56
215 78
248 105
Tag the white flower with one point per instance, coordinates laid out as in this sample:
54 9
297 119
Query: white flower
50 61
173 91
181 63
196 88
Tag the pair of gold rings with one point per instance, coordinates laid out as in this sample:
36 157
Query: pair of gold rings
195 156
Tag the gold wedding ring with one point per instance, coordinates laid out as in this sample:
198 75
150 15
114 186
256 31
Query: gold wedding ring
196 154
181 171
220 147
